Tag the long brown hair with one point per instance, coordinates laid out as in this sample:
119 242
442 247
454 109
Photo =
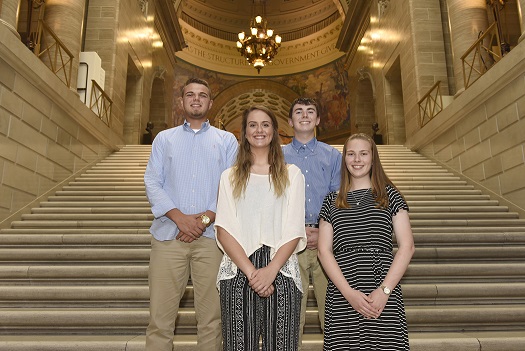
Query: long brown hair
241 169
378 176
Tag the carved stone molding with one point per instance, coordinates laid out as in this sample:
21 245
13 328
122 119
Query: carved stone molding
159 72
383 7
363 73
143 4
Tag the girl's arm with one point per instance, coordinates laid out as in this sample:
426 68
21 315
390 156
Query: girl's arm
358 300
235 251
405 244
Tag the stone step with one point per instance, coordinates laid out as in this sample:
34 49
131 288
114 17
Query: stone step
64 193
110 182
118 180
492 210
116 172
142 199
57 240
419 341
415 294
109 273
144 221
466 222
91 198
134 320
441 208
471 272
129 237
115 204
137 215
105 187
102 217
137 254
82 224
98 210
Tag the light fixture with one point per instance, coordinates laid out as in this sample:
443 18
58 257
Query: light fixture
260 47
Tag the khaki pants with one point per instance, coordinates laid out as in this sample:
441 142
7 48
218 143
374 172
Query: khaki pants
169 269
309 265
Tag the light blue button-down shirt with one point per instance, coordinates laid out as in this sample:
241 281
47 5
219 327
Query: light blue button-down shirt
183 172
321 167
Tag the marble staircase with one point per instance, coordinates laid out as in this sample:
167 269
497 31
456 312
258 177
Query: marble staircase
73 273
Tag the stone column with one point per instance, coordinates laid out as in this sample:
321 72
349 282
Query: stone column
521 11
9 15
467 20
65 18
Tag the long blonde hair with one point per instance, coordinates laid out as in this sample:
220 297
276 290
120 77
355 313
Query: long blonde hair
241 169
378 176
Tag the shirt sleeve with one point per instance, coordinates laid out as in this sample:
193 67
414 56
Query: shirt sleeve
326 213
396 201
154 179
226 209
336 170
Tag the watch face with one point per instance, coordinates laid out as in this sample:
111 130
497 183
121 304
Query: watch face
386 290
205 219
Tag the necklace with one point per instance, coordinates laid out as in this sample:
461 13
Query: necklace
362 197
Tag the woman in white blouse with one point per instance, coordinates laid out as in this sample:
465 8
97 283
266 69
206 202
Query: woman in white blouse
260 228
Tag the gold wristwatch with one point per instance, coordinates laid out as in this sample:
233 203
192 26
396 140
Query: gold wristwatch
205 219
386 289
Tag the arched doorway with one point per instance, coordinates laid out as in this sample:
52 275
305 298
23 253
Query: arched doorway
229 105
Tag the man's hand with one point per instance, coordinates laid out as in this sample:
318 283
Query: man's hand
190 225
312 235
185 238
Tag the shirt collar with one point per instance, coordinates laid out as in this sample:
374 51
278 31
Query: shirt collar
297 145
204 126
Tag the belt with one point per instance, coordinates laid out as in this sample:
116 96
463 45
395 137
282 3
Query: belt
312 225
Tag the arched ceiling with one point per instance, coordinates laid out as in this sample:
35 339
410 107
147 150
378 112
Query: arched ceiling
290 18
314 33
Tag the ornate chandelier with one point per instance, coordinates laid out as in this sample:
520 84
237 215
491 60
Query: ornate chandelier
260 47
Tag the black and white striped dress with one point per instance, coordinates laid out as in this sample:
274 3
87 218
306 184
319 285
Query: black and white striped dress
362 246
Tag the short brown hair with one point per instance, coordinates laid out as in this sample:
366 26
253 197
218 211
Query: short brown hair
304 101
196 81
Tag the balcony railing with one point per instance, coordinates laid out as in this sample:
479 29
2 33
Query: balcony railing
54 53
100 103
431 104
482 55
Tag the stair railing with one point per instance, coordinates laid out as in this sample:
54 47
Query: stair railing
59 58
100 102
482 55
430 104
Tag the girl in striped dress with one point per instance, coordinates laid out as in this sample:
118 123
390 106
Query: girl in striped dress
364 304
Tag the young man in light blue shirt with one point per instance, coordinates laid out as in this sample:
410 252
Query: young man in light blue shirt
182 180
320 164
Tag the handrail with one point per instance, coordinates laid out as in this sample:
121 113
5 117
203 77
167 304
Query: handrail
431 104
479 64
60 58
100 102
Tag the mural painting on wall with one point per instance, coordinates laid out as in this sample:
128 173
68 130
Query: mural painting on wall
327 84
